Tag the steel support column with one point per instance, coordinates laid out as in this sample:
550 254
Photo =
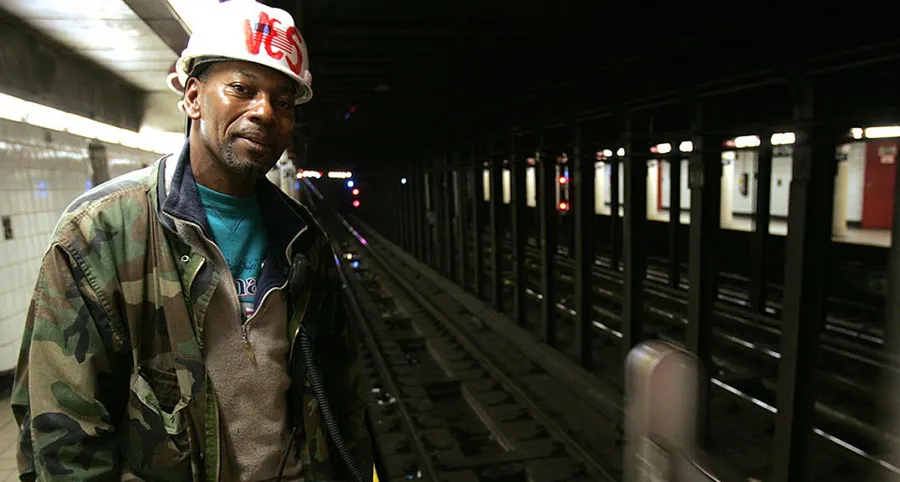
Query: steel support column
393 206
428 188
518 231
447 217
583 216
892 297
418 192
460 174
637 153
891 389
615 228
437 225
705 182
496 231
408 205
478 223
807 247
758 285
437 217
674 160
548 216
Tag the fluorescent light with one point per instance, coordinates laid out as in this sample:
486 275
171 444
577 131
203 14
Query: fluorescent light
664 148
151 140
882 132
746 141
607 153
686 146
309 174
339 174
857 132
783 138
621 152
162 140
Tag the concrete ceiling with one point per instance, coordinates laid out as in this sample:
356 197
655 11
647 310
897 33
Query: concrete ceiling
108 32
138 40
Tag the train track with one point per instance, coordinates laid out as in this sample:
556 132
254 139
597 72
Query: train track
745 358
454 400
848 446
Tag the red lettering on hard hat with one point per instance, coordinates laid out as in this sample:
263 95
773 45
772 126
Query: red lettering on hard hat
272 34
295 62
255 33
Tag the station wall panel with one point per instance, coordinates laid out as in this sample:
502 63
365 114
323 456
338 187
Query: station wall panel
42 172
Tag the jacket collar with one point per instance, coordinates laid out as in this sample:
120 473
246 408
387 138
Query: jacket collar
179 199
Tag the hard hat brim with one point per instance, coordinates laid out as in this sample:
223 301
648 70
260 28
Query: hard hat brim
187 65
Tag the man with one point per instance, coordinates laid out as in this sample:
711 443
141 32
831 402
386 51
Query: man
187 322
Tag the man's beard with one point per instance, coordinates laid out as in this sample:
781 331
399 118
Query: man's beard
254 168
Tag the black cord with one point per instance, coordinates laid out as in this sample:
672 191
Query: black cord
318 388
287 452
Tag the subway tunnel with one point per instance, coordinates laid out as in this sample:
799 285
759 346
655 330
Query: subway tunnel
534 209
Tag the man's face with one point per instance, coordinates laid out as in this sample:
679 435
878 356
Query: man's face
245 113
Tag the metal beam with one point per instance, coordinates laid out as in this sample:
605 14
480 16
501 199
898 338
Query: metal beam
758 251
674 160
496 231
460 174
519 234
158 15
634 238
891 389
705 181
583 216
549 216
807 246
406 211
447 215
40 70
431 255
477 225
615 227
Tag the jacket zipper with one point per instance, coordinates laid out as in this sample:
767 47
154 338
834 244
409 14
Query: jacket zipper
235 303
245 324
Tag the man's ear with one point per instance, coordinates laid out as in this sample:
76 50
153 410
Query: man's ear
192 98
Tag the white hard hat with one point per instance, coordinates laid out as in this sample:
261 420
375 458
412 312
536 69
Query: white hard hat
248 31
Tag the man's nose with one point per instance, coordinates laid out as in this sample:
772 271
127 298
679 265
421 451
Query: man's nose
262 110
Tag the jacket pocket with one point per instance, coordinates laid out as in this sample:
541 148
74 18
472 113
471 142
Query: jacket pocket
158 391
155 442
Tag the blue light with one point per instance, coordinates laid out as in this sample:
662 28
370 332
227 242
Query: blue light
350 183
354 264
88 184
403 181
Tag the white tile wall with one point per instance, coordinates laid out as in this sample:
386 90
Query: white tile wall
41 172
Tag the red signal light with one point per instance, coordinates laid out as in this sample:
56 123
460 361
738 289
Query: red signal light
356 203
563 180
563 206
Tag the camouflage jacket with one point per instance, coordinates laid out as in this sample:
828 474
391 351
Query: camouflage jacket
115 328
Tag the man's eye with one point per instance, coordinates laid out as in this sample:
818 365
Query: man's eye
239 88
283 104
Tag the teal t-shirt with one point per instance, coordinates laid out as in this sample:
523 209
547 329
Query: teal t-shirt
237 229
